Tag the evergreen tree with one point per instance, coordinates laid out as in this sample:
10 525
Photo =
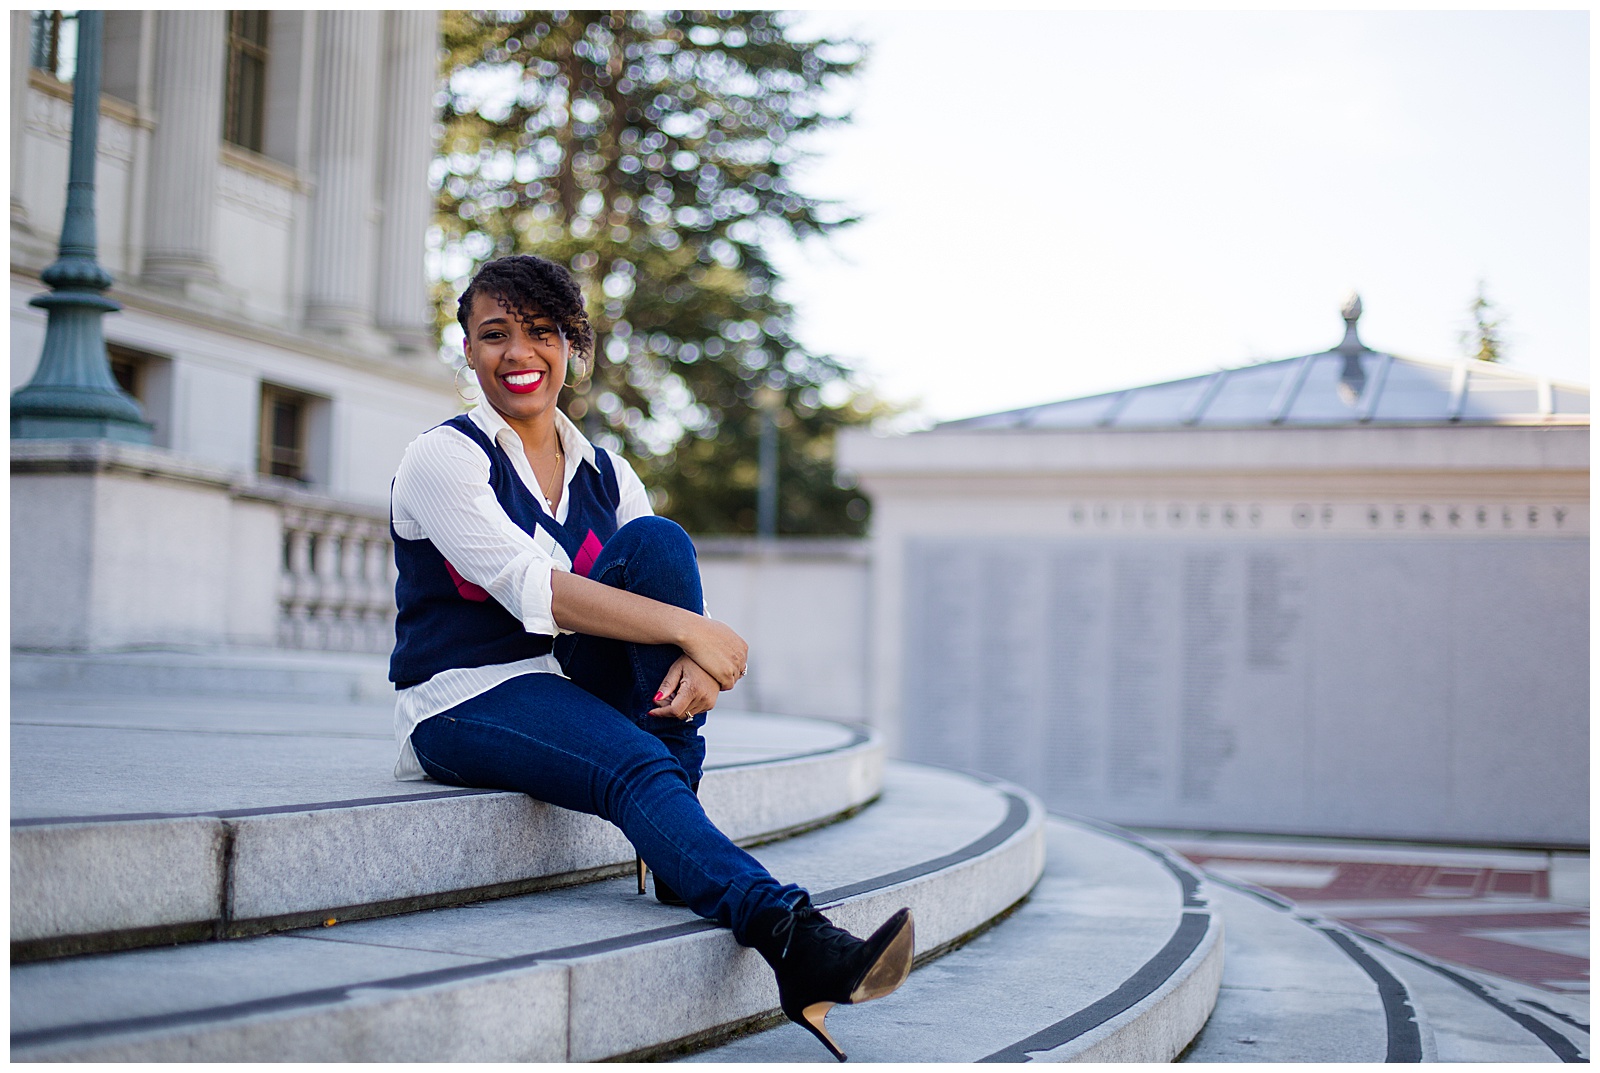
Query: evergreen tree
652 152
1483 341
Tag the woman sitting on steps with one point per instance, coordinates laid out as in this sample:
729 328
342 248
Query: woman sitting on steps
551 640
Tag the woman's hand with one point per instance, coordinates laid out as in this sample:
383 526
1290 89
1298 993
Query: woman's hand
719 651
584 606
685 692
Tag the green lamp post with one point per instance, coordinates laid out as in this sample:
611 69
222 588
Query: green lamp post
768 400
72 394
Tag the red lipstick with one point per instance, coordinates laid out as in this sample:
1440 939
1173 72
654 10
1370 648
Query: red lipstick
528 386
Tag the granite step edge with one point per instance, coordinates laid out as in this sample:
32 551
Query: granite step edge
584 1003
1115 956
117 883
1421 1008
285 673
1168 1000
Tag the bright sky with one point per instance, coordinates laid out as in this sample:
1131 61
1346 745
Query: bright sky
1063 203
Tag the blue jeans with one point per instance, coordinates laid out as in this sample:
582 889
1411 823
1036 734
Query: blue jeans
588 742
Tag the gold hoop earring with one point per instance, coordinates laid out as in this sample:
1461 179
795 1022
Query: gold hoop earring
576 373
463 367
580 368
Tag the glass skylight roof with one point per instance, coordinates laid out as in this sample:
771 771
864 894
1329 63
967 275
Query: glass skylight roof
1348 385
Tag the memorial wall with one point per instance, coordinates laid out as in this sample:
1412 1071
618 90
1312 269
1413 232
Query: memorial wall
1218 631
1352 669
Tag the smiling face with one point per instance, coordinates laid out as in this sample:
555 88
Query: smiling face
521 363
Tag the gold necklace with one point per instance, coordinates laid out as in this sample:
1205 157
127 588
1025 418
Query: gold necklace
549 506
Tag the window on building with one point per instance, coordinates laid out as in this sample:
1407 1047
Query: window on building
285 427
54 43
243 119
126 369
148 378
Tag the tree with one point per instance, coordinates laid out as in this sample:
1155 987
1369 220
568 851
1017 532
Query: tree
1483 341
653 153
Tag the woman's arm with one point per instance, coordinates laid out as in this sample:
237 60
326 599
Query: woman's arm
584 606
441 493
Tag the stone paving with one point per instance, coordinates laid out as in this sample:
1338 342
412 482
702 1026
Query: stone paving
156 817
94 754
1518 914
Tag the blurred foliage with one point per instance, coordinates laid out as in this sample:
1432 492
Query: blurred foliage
1483 340
653 153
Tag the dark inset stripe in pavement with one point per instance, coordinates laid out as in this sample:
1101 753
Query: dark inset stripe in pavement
1187 877
1016 815
1557 1014
1557 1043
277 810
1561 1046
1134 990
1015 818
1260 894
856 738
1405 1037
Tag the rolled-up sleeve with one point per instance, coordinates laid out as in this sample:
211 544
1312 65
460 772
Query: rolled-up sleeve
442 494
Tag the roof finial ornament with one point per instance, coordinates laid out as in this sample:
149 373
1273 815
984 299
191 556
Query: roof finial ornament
1353 377
1351 313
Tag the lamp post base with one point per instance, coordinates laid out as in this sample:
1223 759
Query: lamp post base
77 427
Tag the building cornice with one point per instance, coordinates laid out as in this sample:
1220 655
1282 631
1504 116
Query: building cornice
110 106
111 458
236 156
1034 454
422 369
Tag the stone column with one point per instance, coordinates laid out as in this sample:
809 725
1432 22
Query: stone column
339 285
410 61
190 65
21 27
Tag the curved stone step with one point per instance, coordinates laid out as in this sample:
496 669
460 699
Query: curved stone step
229 672
1302 988
1469 1017
581 973
1289 993
289 818
1115 957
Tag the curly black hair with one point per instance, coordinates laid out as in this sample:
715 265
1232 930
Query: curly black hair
529 287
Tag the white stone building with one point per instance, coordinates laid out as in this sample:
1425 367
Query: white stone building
262 206
1341 594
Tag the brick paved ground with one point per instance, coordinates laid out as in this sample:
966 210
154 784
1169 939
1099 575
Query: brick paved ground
1518 914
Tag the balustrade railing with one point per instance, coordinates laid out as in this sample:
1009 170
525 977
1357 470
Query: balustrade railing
336 588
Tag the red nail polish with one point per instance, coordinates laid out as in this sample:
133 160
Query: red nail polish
659 695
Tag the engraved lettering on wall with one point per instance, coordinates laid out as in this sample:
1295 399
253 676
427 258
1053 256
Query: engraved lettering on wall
1206 732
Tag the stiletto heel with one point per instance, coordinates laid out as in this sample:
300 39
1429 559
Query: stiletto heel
641 868
819 966
812 1018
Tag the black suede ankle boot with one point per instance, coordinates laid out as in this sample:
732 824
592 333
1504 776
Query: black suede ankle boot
666 895
819 965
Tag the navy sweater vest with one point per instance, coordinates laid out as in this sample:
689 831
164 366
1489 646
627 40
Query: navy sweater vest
446 621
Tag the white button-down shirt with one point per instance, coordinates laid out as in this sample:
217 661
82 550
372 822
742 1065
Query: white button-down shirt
442 494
